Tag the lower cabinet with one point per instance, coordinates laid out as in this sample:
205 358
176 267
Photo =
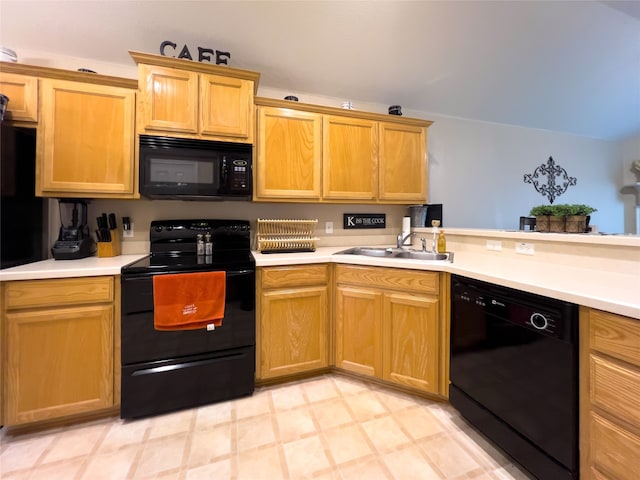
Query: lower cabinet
59 346
293 325
609 396
390 324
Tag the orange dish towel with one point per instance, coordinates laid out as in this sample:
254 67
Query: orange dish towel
187 301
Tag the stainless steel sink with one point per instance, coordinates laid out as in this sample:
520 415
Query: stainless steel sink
419 255
397 253
368 251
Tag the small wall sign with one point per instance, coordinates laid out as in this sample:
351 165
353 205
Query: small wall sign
168 49
364 220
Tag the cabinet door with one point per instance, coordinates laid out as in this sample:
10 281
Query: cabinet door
289 154
169 99
86 140
403 163
60 362
359 330
294 328
350 158
613 450
226 107
22 91
410 345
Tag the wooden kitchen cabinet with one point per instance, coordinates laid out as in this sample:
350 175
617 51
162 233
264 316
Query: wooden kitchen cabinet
85 129
59 348
293 324
358 317
390 324
22 91
289 154
85 142
352 156
609 396
196 100
403 162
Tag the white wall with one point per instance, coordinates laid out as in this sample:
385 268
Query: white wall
630 151
476 170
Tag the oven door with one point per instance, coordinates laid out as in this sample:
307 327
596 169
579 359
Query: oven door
142 343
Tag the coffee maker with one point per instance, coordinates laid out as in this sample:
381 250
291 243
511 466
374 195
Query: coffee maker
74 240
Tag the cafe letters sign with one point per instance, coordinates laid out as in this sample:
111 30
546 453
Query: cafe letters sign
364 220
170 49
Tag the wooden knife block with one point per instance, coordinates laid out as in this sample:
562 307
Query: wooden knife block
112 248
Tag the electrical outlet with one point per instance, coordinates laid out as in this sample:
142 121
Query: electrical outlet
525 248
495 245
128 233
328 227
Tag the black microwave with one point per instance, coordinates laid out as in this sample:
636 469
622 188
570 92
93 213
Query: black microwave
188 169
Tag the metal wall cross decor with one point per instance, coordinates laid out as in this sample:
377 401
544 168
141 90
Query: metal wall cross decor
552 188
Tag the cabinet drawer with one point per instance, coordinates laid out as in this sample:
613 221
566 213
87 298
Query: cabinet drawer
616 389
394 278
614 451
60 291
616 336
294 276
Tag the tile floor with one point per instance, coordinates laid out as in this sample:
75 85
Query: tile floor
328 427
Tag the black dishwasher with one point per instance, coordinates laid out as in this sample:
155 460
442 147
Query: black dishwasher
514 373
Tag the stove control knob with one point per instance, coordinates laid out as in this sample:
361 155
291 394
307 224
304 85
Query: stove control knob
158 228
539 321
169 228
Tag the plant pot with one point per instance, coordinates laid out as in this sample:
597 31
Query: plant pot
556 224
576 224
542 223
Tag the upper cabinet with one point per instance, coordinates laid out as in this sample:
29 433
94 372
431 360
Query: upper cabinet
194 99
22 91
289 154
311 153
85 140
85 129
350 160
403 167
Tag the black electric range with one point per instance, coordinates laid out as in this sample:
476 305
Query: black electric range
164 371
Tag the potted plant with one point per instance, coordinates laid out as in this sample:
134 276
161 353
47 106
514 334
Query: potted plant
541 212
557 219
577 217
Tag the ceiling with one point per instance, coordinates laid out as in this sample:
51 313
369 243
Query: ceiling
568 66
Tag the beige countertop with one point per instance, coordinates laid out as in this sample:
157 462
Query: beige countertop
84 267
616 292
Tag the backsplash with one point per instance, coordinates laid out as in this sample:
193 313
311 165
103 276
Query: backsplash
143 211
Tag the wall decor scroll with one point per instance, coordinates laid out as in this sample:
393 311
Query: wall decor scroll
557 179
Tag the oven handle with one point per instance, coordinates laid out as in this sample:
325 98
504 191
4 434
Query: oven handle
237 273
179 366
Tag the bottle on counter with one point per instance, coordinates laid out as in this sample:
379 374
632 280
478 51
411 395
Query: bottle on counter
208 246
199 244
442 242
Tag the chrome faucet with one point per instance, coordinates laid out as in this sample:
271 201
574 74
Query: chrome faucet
433 244
401 239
